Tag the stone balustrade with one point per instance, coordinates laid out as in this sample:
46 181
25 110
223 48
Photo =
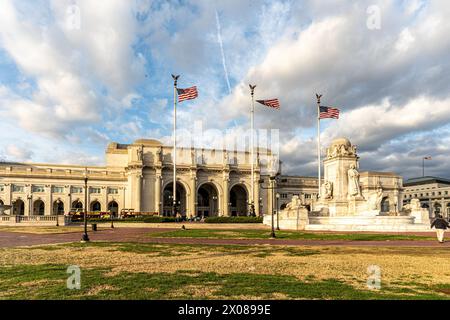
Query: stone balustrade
14 220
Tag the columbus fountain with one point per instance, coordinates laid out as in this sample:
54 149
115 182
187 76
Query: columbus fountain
354 201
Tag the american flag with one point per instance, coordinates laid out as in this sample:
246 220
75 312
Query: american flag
187 94
328 112
273 103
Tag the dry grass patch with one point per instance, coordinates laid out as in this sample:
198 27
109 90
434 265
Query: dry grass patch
101 289
193 292
401 268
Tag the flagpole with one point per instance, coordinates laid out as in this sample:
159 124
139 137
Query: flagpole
174 151
252 142
318 143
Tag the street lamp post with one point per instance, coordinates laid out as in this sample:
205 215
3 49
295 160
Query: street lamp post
173 203
214 198
57 212
272 184
112 219
85 237
271 187
29 197
278 216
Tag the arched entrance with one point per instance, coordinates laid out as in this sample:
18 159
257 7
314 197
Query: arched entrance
18 207
168 199
238 200
96 206
113 208
207 200
385 205
38 208
437 209
58 207
77 206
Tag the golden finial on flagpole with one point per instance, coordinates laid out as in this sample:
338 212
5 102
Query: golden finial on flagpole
252 89
175 79
318 96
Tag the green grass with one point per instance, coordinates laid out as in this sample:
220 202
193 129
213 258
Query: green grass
49 282
264 234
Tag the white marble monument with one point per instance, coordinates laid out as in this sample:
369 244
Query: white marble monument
351 200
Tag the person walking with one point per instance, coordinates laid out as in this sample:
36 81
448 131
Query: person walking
440 224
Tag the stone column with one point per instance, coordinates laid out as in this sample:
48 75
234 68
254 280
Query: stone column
8 199
256 200
138 182
48 200
191 207
226 194
270 203
158 191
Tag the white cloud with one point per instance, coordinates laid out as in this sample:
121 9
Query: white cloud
17 153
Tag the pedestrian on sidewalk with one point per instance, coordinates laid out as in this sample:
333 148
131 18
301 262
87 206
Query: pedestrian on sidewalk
440 224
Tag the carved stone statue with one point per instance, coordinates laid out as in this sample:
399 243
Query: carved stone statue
341 147
272 165
334 152
414 205
375 200
140 153
294 204
354 189
159 154
343 151
225 157
193 156
327 190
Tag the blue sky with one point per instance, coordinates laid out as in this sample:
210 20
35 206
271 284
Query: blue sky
75 75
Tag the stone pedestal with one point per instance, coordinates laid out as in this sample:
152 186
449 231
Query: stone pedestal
421 216
290 219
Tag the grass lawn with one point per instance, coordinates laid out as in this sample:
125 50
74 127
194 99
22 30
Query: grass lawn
42 229
167 271
264 234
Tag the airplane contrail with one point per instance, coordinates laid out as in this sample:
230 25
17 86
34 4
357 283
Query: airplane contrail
219 39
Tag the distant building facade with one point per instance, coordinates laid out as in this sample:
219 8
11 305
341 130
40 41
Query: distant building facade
433 193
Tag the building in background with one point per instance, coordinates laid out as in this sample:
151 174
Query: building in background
139 176
433 193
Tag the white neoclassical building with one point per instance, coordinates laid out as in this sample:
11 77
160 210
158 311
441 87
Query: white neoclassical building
139 176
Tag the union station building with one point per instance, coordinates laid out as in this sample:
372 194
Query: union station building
139 177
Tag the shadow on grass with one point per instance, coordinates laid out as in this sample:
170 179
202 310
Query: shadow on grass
264 234
49 282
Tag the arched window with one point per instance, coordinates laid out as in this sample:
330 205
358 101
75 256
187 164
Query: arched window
238 201
437 209
77 205
385 205
113 207
18 207
96 206
38 208
58 207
